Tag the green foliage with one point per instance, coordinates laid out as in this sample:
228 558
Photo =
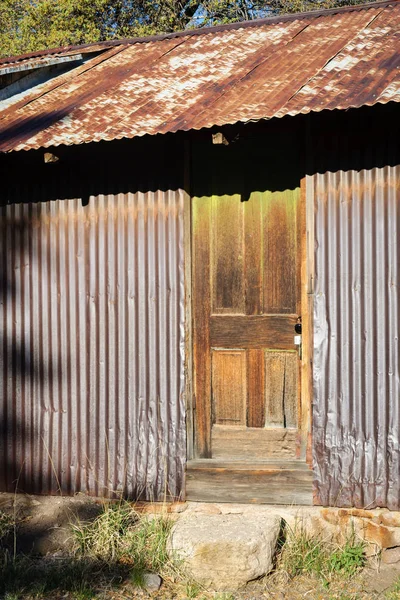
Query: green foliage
303 554
12 596
348 559
30 25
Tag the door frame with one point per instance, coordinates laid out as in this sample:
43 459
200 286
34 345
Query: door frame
307 312
306 302
188 268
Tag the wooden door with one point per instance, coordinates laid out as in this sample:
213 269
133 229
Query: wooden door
246 302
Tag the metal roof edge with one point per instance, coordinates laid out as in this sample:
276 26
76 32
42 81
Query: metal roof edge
219 125
30 66
102 46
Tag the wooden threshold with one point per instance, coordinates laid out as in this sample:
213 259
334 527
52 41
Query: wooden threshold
248 444
272 482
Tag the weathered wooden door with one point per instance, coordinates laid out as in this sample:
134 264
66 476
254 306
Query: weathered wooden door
246 231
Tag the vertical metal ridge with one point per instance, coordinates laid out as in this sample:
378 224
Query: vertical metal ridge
92 361
3 349
356 319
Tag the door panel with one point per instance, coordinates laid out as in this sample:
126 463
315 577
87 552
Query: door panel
227 255
246 301
264 331
253 239
229 391
256 386
281 389
279 223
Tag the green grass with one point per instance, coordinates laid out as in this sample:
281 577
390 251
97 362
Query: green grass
303 554
347 559
105 537
118 547
136 577
84 591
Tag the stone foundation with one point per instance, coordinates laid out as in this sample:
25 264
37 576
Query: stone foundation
379 528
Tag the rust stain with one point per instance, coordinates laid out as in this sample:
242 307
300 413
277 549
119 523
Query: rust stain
378 534
195 79
355 512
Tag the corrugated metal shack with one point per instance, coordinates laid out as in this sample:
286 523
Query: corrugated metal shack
199 264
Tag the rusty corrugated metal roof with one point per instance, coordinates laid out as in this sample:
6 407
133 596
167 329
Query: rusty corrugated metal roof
271 68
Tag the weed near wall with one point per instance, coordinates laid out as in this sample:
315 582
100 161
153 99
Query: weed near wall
120 534
6 525
302 554
116 548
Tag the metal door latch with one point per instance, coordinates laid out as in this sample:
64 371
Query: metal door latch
297 338
297 327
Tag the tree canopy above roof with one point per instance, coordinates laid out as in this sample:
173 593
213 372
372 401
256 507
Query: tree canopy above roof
30 25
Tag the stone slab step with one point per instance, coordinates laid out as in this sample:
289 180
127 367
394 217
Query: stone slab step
224 552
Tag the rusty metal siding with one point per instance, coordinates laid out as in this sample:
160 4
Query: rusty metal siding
356 417
92 334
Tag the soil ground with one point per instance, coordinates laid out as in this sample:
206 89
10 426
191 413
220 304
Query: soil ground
44 531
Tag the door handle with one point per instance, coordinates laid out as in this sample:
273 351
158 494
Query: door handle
297 337
297 327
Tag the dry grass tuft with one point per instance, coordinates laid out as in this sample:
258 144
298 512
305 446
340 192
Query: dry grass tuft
120 534
116 549
6 525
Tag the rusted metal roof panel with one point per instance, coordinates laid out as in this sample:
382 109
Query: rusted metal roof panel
221 76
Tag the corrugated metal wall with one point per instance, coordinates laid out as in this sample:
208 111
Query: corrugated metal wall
92 334
356 417
92 317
